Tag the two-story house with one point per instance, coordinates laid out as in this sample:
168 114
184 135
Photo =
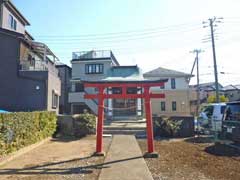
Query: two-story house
177 101
28 76
102 65
232 92
88 65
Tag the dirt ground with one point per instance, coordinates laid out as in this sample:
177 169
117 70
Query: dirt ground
193 159
62 158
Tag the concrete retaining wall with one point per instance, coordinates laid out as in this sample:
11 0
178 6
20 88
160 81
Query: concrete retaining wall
65 125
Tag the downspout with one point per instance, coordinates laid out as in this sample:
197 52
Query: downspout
1 13
65 103
46 92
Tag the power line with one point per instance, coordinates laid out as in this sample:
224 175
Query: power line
166 28
115 39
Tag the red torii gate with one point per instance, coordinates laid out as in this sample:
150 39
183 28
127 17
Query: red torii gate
146 95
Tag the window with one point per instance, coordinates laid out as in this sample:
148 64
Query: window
208 110
232 112
131 90
54 100
94 68
116 90
174 106
163 106
162 87
79 87
173 83
12 22
223 109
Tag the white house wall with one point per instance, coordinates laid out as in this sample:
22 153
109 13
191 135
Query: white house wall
78 70
181 84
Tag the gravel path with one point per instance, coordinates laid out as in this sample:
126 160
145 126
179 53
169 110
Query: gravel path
187 159
63 158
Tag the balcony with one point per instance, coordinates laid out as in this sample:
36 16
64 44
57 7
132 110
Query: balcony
38 65
76 97
33 66
91 55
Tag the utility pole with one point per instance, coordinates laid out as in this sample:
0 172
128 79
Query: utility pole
197 52
213 23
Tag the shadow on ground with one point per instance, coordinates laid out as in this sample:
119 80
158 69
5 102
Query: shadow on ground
54 168
64 138
222 150
200 139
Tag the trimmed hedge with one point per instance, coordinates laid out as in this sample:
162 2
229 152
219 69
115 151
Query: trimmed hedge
78 125
84 124
21 129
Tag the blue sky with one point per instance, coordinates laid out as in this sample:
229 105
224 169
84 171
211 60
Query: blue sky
150 33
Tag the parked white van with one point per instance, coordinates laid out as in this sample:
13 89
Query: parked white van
212 115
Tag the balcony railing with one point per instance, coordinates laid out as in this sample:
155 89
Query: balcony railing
33 66
37 66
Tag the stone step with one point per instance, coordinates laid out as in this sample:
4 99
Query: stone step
124 121
125 132
125 118
123 128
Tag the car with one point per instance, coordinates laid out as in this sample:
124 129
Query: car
3 111
211 116
231 122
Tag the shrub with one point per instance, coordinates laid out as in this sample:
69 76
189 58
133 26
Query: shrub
167 127
213 99
84 124
20 129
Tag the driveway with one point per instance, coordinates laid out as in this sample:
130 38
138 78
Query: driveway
61 158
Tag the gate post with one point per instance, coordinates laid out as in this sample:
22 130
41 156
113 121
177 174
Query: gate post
99 143
150 139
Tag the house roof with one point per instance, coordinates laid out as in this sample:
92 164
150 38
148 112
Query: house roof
13 8
60 64
231 87
163 72
11 33
124 73
208 86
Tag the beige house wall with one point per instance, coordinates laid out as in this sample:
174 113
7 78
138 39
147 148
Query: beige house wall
182 100
54 84
5 24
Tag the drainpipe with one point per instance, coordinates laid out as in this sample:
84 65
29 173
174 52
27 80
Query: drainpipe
1 13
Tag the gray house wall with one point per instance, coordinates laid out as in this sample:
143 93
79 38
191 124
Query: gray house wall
65 73
78 72
78 69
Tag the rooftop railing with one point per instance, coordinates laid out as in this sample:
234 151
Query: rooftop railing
83 55
92 54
